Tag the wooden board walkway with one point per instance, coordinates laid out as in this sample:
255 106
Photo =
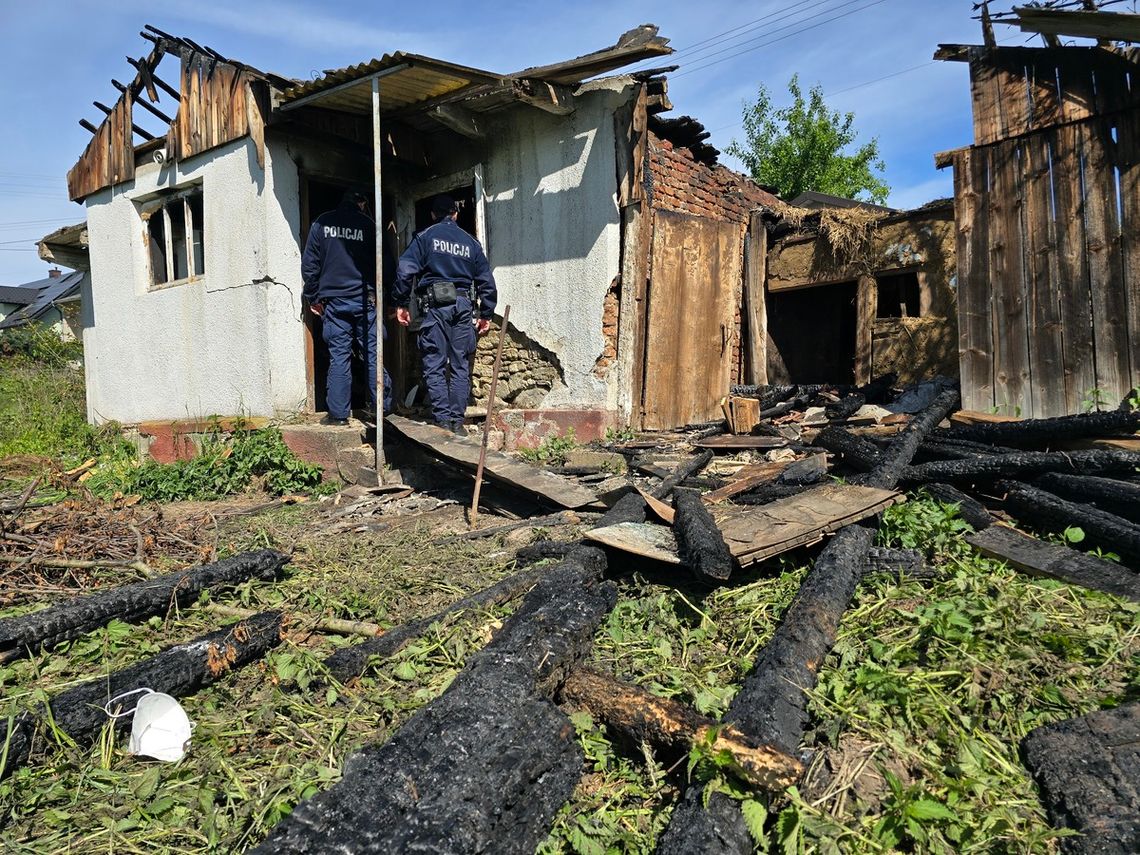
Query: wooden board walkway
756 532
464 453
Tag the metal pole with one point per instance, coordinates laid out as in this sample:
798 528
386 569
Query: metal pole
487 421
378 208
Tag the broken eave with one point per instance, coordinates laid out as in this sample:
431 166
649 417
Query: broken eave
1109 26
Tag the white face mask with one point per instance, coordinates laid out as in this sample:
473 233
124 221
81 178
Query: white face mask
161 729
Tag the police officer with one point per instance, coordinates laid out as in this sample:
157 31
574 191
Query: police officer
454 276
338 271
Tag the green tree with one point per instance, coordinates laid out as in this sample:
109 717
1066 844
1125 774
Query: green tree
801 148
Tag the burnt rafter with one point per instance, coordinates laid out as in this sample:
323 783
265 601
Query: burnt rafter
151 80
150 108
142 132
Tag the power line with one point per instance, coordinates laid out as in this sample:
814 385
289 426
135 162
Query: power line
780 39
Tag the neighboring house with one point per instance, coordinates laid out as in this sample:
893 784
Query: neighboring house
52 302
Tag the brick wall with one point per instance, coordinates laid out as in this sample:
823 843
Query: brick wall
680 183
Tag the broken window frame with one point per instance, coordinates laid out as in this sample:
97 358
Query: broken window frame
193 256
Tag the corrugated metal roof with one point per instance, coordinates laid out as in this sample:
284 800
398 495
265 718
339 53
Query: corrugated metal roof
410 79
51 291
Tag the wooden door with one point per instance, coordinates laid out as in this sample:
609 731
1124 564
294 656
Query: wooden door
694 292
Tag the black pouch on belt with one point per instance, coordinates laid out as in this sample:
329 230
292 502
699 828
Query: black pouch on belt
442 294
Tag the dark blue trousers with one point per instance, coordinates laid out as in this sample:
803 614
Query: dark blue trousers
446 341
350 322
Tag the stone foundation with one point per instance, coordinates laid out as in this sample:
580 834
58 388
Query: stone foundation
528 372
528 428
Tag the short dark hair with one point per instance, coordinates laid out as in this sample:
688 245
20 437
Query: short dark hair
442 206
357 194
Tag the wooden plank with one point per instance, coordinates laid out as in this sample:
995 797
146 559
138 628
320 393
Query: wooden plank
866 307
1043 92
985 97
756 532
1106 276
975 334
1072 274
692 308
1047 387
743 414
1010 324
1078 94
725 442
756 474
1128 164
756 312
1054 561
1014 94
973 417
499 467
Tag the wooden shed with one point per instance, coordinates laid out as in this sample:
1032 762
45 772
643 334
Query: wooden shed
1047 205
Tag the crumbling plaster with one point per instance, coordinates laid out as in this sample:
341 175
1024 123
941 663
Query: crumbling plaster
554 237
227 342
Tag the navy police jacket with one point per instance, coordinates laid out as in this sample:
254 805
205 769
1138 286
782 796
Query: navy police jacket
340 255
443 252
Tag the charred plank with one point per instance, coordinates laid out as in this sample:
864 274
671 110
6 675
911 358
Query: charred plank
1037 558
855 451
686 469
1087 772
1117 497
969 508
177 671
1045 510
845 407
699 542
1025 463
1047 431
74 617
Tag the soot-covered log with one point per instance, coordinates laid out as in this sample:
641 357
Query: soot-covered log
1038 558
74 617
685 469
845 407
771 705
1117 497
640 716
1045 510
938 439
1022 464
1088 772
487 765
543 550
1047 431
177 671
855 451
969 508
699 542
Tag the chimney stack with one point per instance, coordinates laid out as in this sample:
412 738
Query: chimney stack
54 273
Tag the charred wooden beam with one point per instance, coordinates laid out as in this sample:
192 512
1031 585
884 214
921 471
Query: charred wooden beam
699 542
503 758
1025 463
463 122
1045 510
142 132
543 550
87 126
686 469
1037 558
177 671
1047 431
969 508
147 73
765 493
771 705
78 615
854 450
1117 497
146 105
845 407
640 716
903 563
1089 780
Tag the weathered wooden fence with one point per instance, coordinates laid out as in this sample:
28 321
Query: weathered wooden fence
1047 203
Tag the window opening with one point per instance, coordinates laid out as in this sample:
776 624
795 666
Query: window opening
176 237
898 295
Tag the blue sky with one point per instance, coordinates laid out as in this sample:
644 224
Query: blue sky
872 57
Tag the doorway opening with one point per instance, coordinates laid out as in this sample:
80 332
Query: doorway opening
813 331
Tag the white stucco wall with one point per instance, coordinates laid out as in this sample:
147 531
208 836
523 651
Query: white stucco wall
229 342
554 237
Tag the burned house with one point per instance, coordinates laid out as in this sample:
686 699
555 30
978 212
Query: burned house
856 291
1047 204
